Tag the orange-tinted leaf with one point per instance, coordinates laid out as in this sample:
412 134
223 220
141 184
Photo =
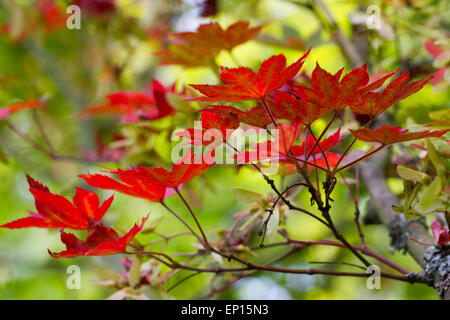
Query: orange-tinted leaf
212 35
199 48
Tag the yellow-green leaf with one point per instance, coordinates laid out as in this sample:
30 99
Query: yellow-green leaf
435 159
411 174
246 196
177 103
272 224
429 194
153 225
134 274
407 190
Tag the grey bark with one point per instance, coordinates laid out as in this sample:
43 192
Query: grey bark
435 261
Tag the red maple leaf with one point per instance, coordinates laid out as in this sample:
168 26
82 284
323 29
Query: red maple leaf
330 91
100 241
388 135
211 120
16 107
153 184
244 84
55 211
290 166
325 145
133 105
255 116
193 49
285 106
375 103
332 160
285 137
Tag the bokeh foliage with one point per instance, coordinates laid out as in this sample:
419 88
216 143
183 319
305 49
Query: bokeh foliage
74 68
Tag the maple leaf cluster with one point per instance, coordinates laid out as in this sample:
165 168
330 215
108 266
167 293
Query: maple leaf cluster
300 119
281 102
153 184
83 213
86 213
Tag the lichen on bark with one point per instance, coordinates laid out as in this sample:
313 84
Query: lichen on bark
437 269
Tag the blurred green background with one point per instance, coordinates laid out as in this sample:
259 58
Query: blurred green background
74 68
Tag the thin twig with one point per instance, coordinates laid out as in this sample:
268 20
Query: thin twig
183 280
357 212
205 239
182 221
